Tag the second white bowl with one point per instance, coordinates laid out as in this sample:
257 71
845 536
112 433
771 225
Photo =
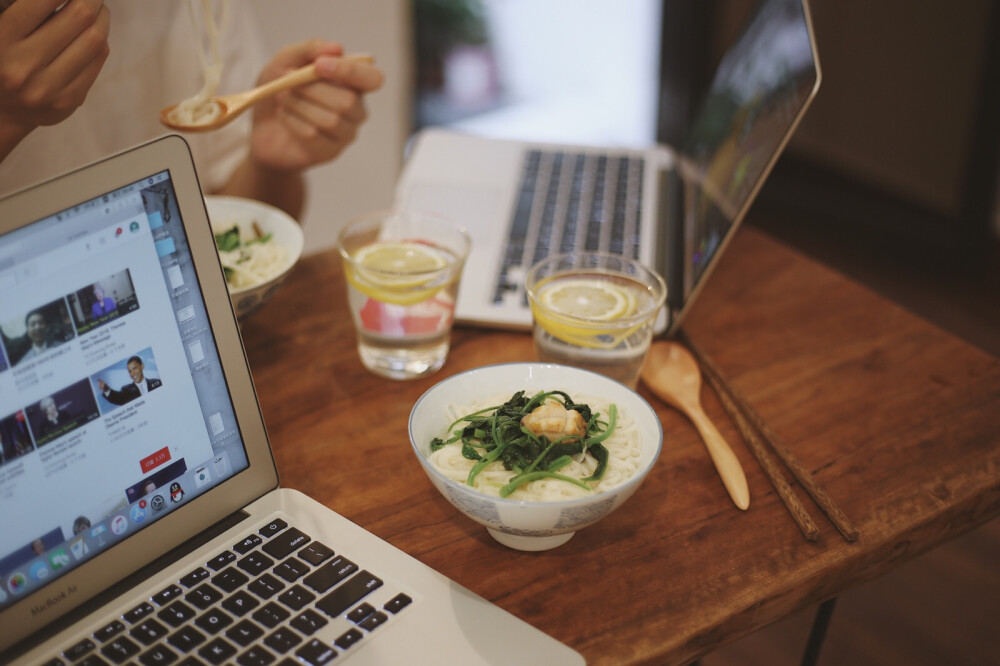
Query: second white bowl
530 525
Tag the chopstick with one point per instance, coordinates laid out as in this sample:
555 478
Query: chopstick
799 513
749 423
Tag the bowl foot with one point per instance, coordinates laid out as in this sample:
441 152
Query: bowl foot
531 543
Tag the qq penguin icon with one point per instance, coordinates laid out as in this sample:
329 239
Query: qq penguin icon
176 492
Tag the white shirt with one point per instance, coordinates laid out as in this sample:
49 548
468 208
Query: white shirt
154 62
35 351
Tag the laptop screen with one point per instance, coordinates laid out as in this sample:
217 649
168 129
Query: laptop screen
760 91
109 419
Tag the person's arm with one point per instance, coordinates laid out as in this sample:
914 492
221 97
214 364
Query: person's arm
120 397
281 188
48 61
113 396
304 127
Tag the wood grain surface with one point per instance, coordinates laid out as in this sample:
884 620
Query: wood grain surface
898 420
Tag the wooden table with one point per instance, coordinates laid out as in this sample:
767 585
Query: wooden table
899 420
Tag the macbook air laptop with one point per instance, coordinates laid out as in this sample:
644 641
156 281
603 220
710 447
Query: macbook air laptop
141 520
673 208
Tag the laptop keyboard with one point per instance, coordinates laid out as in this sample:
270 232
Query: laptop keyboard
276 597
570 201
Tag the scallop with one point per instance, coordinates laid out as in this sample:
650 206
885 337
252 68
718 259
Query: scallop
554 421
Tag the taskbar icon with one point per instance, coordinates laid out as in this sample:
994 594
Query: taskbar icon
17 582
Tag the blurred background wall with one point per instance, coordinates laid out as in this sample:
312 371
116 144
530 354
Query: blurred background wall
902 84
900 111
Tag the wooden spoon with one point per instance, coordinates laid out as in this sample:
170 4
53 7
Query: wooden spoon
231 106
672 373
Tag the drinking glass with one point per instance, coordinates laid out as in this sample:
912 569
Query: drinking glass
402 269
594 310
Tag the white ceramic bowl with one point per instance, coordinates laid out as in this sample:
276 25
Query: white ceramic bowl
285 231
525 525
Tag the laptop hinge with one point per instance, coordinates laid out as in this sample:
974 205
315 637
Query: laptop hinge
669 250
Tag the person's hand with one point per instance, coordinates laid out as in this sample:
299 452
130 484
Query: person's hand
48 61
312 124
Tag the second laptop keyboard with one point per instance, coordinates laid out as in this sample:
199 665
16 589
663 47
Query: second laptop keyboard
571 201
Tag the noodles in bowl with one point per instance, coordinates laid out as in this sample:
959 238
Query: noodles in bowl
258 246
248 259
540 463
527 500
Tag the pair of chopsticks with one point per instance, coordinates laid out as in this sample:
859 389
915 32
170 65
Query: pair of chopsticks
762 441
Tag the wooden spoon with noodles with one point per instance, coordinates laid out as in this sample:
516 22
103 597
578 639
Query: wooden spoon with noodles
229 107
672 373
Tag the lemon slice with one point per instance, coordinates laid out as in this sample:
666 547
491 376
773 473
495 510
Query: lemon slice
586 311
588 299
398 257
401 273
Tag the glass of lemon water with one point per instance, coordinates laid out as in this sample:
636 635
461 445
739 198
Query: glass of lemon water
402 270
594 310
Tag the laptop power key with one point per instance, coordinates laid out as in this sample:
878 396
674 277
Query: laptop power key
272 528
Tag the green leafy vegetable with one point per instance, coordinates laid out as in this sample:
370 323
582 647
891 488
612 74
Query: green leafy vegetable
496 434
229 241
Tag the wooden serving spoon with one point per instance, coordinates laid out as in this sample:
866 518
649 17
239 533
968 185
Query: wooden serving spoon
672 373
231 106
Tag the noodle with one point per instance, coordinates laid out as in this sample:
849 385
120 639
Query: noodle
198 110
253 262
624 460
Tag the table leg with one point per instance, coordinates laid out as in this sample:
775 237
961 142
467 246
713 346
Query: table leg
820 624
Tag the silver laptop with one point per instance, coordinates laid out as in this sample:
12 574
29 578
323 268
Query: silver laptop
141 517
673 208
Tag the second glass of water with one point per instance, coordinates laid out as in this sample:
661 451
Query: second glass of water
596 311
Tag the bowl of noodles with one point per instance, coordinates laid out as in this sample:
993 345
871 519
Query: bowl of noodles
534 451
258 245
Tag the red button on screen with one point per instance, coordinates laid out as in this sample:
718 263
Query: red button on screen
152 462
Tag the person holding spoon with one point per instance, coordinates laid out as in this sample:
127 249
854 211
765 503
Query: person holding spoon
81 79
